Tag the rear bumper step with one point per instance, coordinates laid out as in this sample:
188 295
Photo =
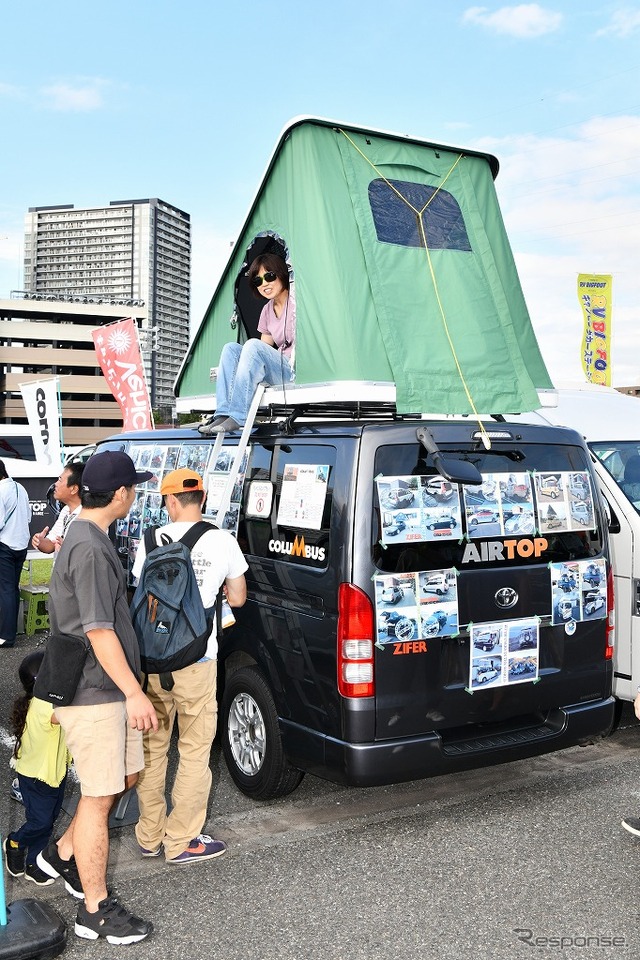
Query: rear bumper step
415 758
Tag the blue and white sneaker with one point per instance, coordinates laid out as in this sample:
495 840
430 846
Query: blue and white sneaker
201 847
15 791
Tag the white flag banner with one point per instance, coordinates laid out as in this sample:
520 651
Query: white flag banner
41 403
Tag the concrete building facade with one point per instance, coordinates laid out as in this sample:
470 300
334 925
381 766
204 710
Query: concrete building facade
129 251
44 338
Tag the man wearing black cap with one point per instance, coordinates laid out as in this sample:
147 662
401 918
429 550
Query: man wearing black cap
104 724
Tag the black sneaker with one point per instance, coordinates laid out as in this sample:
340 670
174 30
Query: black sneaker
632 824
14 857
50 861
33 872
112 922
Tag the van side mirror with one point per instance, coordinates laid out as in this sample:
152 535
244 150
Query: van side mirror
452 469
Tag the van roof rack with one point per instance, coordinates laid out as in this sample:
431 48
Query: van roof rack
357 399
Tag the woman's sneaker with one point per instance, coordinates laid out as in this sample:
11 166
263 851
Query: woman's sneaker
111 922
50 861
14 857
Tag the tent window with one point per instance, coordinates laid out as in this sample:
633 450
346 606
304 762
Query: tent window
396 222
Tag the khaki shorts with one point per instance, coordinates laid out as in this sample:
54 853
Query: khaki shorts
104 747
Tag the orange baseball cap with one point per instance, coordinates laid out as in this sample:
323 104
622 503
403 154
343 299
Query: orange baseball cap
181 481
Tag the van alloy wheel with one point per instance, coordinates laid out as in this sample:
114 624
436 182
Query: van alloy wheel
245 728
251 739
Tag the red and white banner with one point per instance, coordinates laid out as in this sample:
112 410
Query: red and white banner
118 352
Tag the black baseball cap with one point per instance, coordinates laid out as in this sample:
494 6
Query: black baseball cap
111 470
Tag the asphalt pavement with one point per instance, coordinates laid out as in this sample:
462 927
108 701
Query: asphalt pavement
520 860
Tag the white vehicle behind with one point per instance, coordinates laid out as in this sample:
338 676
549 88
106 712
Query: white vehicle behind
610 423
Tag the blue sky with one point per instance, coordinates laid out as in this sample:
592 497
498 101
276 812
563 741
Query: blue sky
185 101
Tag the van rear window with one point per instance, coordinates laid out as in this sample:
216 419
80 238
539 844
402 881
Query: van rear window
537 503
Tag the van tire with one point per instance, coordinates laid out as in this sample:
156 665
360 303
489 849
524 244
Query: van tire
251 740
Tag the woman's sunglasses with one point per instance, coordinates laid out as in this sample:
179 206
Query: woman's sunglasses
267 277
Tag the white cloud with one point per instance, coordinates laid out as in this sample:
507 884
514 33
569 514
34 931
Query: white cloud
572 206
524 21
623 23
10 91
79 97
10 257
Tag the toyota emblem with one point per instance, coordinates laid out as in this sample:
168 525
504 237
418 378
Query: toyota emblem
506 597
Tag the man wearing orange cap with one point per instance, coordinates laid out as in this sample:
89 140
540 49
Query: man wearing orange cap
217 560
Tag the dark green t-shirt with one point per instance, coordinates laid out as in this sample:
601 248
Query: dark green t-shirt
88 591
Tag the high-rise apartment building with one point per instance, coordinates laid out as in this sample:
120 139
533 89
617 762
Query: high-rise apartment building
135 252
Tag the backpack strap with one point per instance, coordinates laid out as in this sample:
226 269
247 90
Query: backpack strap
196 531
150 541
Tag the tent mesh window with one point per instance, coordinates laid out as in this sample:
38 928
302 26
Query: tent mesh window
396 222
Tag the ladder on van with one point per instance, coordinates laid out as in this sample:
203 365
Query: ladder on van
230 483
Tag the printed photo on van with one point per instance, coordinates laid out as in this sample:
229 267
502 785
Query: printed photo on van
510 649
579 590
418 508
564 500
428 599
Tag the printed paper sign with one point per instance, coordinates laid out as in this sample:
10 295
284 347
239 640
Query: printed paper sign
502 505
215 483
259 499
565 501
579 591
303 496
503 653
416 606
418 508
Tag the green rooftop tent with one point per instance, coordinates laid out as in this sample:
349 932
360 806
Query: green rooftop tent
401 268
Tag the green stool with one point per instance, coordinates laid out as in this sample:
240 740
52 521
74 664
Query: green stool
36 616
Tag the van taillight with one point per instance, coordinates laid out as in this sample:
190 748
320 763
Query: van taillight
611 617
355 642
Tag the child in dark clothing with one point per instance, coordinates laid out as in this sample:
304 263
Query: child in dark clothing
41 761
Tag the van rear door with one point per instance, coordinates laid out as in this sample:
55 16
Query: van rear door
502 562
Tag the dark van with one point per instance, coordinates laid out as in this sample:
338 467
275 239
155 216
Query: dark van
321 672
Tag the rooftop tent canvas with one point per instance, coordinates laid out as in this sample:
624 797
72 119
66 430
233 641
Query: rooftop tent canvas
402 273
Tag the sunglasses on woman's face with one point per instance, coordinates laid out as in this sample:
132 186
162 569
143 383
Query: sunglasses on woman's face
267 277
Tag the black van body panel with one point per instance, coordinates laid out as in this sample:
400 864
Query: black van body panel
414 758
423 719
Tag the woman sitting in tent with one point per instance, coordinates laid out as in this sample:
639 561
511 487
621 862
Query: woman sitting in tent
243 366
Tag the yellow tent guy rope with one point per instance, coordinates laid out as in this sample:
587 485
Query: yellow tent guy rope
485 438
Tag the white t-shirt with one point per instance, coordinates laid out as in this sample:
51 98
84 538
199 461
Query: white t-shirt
61 525
215 558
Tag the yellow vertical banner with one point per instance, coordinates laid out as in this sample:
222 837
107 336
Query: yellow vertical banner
595 295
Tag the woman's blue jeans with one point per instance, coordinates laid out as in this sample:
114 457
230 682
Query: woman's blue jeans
242 367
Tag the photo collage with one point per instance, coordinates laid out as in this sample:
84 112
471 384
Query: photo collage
421 508
565 501
579 591
147 509
416 606
504 653
215 482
